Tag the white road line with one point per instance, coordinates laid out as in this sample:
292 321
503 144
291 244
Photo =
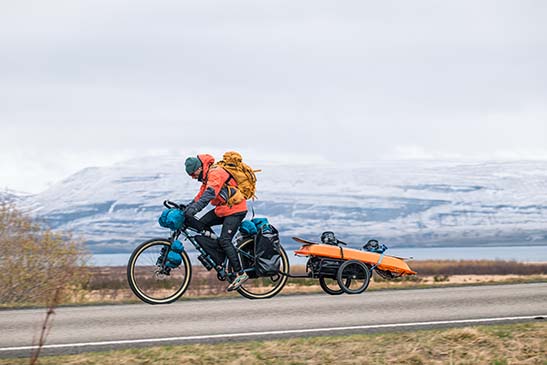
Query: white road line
284 332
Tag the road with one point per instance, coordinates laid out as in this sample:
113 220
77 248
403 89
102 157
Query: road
92 328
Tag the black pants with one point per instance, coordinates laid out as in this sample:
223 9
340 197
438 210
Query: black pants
230 225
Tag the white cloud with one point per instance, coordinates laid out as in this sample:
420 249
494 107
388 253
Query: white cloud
86 81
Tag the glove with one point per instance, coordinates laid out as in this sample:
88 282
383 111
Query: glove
191 210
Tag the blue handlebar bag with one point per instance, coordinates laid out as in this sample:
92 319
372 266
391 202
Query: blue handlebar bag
172 219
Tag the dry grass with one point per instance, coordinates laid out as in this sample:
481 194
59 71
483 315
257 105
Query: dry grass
109 284
506 344
477 267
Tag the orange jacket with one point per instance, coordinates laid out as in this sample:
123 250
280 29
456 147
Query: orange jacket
215 177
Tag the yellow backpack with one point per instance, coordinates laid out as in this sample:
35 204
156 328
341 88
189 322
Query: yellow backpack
242 173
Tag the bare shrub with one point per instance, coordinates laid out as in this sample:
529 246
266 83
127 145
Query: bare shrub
53 301
36 263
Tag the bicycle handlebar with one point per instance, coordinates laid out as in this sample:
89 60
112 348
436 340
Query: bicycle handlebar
170 205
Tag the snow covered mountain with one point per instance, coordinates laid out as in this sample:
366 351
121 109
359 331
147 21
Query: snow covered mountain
11 196
402 203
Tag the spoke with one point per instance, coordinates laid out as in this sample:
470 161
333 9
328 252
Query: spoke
148 279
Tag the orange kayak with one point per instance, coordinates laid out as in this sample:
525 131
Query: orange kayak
388 263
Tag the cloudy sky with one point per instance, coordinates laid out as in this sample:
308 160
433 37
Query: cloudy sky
94 82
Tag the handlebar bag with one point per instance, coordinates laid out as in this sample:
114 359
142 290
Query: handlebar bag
172 219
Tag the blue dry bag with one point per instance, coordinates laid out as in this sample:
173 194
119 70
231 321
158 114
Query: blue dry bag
174 257
172 219
262 224
248 228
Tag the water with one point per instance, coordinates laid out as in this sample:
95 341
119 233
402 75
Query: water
506 253
511 253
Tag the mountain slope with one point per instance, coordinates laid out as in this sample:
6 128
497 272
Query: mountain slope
400 202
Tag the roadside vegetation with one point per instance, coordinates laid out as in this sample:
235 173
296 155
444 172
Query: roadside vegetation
37 266
477 267
109 284
524 343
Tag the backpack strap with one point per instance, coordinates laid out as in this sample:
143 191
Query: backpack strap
230 177
225 184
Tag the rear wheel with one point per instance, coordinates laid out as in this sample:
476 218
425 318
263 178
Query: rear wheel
153 283
265 286
358 274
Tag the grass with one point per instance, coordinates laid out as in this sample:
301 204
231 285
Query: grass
108 285
524 343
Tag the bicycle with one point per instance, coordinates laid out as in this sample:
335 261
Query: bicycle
152 281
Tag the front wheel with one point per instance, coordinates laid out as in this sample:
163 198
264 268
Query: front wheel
265 286
152 282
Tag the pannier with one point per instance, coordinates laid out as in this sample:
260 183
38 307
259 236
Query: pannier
267 248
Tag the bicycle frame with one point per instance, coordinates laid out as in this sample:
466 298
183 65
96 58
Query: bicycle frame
204 257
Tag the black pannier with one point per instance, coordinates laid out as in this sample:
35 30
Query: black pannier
212 247
324 266
267 251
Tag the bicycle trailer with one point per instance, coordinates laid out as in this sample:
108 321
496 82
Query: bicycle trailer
351 269
397 266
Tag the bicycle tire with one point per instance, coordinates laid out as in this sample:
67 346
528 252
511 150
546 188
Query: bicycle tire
251 290
325 286
143 281
356 271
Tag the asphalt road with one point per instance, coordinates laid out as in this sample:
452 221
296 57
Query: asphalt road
92 328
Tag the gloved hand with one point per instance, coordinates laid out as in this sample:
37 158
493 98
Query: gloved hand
191 210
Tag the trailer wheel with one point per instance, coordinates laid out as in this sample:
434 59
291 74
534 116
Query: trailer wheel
330 285
358 275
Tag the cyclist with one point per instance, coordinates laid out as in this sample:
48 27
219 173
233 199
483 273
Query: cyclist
217 186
